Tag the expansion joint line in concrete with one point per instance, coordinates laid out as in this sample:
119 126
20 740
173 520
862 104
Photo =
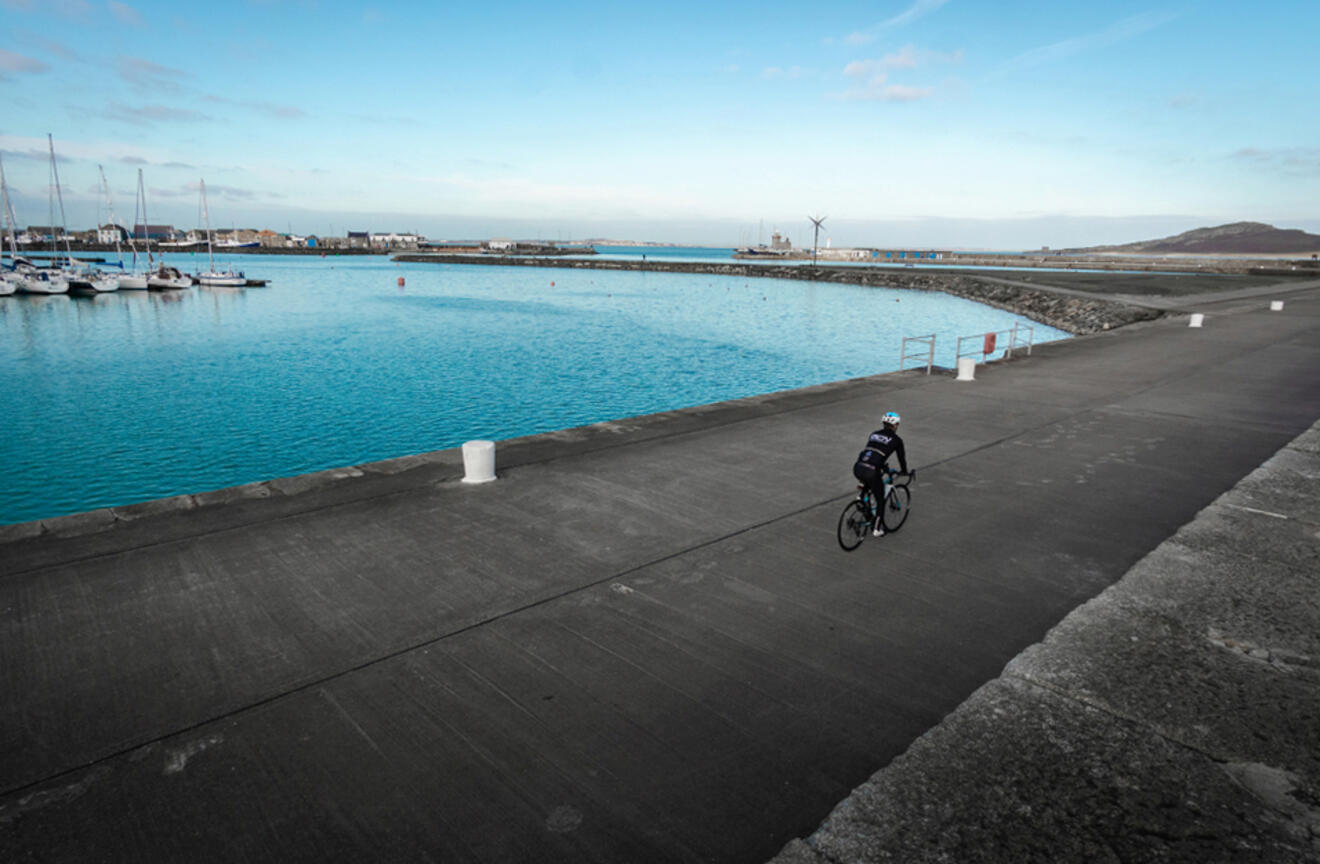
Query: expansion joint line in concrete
425 643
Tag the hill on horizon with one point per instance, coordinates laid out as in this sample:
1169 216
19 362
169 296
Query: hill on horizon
1236 238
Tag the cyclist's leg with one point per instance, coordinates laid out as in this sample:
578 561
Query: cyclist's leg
869 477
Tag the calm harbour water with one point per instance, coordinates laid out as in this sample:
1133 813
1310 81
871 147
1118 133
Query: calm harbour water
132 396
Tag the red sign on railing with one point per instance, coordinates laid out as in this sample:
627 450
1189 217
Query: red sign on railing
989 343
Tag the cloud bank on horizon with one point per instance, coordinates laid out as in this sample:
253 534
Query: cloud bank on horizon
938 122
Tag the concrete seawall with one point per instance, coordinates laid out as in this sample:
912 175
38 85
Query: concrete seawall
1071 313
642 642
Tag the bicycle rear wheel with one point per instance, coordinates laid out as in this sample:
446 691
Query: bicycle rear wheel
853 526
895 511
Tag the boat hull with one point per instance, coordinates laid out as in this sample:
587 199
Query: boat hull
226 280
172 283
43 285
136 282
97 284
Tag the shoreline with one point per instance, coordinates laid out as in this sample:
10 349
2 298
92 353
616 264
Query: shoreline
1078 315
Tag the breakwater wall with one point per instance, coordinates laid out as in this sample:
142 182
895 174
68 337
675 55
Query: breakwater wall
1070 313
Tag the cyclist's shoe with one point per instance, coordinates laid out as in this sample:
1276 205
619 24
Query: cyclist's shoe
878 530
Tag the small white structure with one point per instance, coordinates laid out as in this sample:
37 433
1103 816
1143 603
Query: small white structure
110 234
1276 305
500 244
393 239
966 369
1196 320
478 461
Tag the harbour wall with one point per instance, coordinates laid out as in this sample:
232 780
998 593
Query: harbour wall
1070 313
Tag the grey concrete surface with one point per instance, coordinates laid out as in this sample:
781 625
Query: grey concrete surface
640 644
1176 717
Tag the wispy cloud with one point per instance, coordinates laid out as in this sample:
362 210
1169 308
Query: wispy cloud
213 190
74 10
48 45
904 59
878 89
870 78
919 9
30 153
125 13
11 64
150 115
1120 31
138 160
1292 161
270 109
792 73
148 75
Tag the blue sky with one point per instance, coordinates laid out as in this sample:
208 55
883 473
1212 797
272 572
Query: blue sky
932 122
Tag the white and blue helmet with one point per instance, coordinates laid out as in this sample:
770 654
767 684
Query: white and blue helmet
891 418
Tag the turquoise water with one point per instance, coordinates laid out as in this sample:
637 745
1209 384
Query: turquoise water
132 396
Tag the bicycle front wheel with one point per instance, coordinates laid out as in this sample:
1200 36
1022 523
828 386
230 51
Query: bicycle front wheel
853 526
895 511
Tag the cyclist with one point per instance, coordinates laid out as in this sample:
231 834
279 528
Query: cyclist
870 466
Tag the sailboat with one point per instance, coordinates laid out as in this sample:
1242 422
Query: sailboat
79 278
131 280
162 277
46 280
10 279
211 276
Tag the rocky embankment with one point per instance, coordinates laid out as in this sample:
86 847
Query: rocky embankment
1076 315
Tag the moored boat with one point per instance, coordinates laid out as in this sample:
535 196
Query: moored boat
166 278
77 276
226 278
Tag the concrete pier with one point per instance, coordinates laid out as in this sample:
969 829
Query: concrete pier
643 643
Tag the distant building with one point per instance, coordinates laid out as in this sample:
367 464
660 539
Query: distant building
393 241
153 232
46 233
500 244
359 239
892 255
780 244
111 233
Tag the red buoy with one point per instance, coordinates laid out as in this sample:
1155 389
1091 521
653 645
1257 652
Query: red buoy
400 281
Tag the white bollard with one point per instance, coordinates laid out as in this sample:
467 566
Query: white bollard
1276 305
478 461
966 369
1197 318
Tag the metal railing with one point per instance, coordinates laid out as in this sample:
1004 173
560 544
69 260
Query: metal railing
927 354
1015 339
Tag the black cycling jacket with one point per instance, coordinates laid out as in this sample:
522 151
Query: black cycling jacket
880 446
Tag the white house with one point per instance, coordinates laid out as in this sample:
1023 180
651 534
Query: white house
500 244
109 234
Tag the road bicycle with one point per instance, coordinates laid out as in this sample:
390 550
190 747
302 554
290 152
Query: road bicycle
858 517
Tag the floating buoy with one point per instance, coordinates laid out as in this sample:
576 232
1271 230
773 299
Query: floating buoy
552 284
400 281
